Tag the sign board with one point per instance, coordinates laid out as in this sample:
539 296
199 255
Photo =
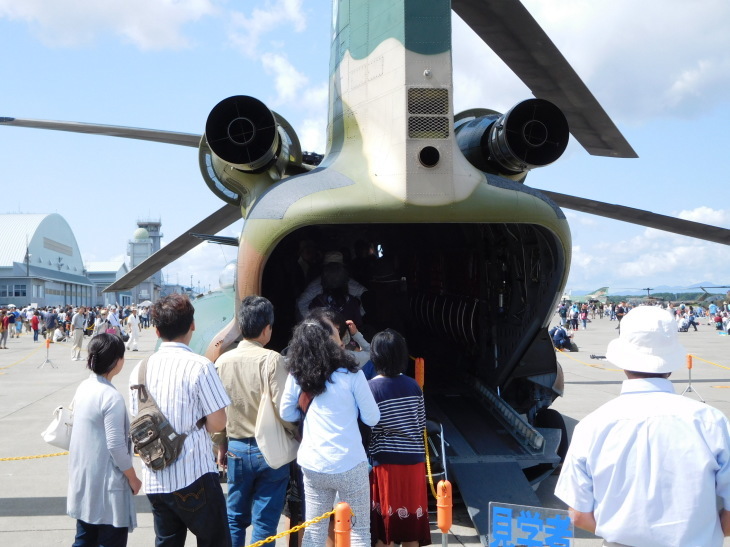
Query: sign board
525 526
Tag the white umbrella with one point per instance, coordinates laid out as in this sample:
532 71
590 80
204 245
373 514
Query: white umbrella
145 304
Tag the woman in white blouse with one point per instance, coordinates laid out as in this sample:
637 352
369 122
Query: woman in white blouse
326 390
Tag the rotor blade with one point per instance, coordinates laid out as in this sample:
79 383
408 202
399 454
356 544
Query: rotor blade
642 217
512 33
222 218
220 240
167 137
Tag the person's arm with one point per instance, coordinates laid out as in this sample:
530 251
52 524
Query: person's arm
216 421
134 483
586 521
369 411
725 522
115 413
289 405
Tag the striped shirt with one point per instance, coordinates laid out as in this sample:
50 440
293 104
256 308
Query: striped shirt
398 436
186 387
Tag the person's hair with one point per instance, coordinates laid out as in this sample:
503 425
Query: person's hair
173 315
322 315
648 374
256 312
389 353
313 356
104 352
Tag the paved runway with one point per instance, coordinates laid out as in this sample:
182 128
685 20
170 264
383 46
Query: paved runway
33 503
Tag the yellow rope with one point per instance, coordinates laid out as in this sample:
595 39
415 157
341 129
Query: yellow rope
428 464
296 528
33 457
710 362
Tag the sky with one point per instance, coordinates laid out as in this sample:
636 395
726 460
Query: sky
660 68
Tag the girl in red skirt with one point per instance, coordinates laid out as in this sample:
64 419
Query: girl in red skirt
399 499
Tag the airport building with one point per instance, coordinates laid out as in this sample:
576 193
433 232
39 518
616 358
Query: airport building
41 264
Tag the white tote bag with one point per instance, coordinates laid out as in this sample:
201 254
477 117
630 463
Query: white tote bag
58 432
277 445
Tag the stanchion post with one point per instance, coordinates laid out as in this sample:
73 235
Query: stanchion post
444 508
689 388
420 371
343 524
47 361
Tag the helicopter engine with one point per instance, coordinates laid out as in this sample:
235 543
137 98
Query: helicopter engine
533 133
246 144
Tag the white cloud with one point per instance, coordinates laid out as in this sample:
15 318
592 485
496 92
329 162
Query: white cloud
147 24
248 30
288 81
649 256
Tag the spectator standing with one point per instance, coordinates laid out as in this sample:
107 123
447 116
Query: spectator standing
650 467
185 495
34 323
101 479
3 330
327 391
132 323
77 333
256 491
397 487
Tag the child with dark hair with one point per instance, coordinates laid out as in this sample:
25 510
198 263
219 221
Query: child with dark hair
102 479
399 509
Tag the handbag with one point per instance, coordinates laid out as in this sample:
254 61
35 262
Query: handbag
278 446
58 432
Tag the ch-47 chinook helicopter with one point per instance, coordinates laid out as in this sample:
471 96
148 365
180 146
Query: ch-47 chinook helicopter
480 258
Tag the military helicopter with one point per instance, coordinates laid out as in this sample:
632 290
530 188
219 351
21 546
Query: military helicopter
475 260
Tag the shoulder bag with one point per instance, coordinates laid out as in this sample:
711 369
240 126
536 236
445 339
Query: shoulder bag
277 445
58 432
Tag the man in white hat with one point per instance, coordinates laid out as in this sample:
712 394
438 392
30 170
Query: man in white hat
650 468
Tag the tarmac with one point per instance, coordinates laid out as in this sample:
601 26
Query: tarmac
35 380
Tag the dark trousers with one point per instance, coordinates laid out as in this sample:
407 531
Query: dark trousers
99 535
199 507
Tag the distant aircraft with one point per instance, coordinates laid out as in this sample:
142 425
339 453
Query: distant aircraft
479 258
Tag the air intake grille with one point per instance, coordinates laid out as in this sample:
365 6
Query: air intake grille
428 100
429 108
428 127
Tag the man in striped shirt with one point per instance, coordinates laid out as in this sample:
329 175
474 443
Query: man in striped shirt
187 494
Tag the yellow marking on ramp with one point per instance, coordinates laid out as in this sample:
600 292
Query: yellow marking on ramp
21 360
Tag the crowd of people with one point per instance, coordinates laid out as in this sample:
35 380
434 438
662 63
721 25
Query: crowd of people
73 323
572 316
359 440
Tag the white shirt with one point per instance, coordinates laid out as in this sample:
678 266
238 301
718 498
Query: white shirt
185 387
649 465
331 441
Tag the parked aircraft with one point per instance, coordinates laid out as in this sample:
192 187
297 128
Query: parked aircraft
470 263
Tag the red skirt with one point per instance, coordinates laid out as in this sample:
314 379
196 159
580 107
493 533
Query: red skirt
399 504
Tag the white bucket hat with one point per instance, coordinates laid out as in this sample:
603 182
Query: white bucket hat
648 342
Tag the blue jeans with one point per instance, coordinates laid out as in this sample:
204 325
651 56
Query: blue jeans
199 507
256 492
99 535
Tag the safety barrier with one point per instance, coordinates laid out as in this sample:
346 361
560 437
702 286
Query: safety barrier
343 526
